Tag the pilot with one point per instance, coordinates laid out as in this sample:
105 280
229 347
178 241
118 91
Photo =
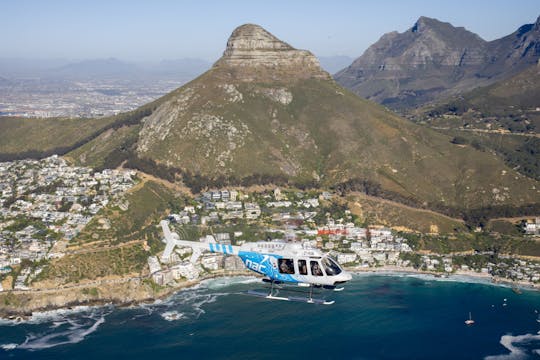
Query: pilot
315 269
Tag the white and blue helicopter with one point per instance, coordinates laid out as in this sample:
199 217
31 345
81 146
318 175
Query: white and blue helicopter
279 262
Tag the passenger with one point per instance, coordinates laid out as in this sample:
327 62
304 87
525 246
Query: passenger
315 269
283 267
303 269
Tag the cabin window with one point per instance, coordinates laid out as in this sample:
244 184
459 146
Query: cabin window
286 266
330 266
315 269
302 267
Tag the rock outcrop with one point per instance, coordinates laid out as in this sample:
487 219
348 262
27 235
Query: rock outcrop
253 53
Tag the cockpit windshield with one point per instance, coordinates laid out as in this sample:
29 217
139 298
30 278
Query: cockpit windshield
330 266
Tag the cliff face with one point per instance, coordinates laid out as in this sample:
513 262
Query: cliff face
434 59
517 50
253 54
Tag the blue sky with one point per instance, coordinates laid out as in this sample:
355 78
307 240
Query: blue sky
160 29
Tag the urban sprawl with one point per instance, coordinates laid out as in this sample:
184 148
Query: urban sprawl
46 203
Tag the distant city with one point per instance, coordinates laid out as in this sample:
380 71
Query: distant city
96 88
69 98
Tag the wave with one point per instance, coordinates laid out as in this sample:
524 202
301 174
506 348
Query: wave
194 301
190 302
172 315
55 316
66 327
224 282
519 347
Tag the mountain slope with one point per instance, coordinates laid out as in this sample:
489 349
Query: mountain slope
433 59
509 104
484 117
267 108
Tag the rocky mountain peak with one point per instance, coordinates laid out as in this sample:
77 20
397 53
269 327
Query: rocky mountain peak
423 23
251 37
252 53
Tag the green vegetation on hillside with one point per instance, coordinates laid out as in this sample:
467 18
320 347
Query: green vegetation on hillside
473 242
147 204
509 104
521 153
100 263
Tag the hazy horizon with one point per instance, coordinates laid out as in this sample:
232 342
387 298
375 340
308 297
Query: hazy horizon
142 31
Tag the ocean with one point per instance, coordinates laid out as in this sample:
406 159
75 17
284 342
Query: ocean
377 316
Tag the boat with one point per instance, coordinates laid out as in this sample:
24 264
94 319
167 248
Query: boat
469 321
517 290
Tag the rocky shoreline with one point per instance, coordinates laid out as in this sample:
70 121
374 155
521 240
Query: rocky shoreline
21 305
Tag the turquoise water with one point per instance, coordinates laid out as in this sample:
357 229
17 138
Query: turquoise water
375 317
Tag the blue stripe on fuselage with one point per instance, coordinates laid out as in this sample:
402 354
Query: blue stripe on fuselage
262 264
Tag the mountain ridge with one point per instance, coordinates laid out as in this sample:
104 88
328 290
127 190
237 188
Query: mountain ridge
283 117
433 59
276 117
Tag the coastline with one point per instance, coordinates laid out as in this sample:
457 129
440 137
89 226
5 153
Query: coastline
19 305
23 304
485 278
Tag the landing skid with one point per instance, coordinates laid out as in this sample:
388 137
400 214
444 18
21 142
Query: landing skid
273 295
289 298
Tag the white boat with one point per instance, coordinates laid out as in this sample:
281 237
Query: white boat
469 321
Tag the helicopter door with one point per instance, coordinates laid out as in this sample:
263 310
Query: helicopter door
315 268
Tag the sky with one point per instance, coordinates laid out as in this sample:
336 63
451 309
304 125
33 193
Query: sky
154 30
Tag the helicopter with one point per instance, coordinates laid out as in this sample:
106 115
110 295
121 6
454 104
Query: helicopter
280 263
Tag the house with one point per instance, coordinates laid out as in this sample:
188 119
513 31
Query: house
277 194
185 269
346 258
532 227
252 210
153 264
225 195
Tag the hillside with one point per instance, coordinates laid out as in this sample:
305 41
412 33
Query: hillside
502 118
266 112
265 108
434 59
512 104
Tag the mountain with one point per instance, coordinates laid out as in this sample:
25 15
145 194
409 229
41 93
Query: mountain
483 115
333 64
266 110
516 51
186 67
434 59
511 104
183 69
110 67
4 81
